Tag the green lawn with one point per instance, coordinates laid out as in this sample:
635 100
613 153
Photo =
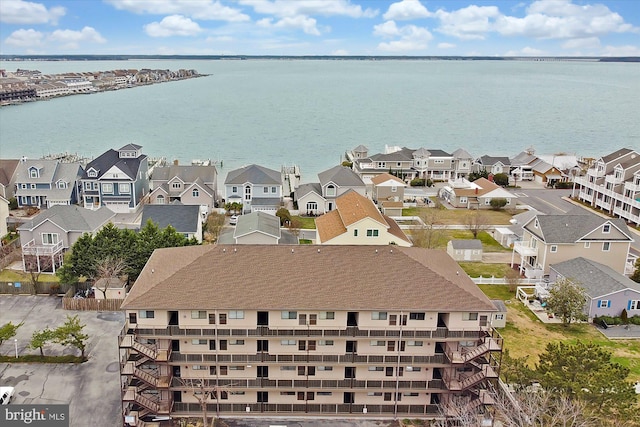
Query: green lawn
489 244
457 216
526 335
477 269
15 276
308 223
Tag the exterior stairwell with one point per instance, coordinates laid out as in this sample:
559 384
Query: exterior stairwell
143 349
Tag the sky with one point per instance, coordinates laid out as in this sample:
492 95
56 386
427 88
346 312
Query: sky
321 27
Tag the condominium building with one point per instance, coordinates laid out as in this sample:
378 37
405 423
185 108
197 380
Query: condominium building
329 332
612 184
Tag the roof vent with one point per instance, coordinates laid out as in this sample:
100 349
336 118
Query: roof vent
224 250
318 250
391 251
235 249
376 251
291 250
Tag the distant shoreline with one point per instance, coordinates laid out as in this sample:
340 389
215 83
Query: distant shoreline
25 58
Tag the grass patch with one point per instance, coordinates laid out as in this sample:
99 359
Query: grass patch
478 269
489 244
442 237
16 276
304 241
457 216
306 222
526 335
36 358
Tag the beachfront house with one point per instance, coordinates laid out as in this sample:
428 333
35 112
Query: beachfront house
257 188
612 184
461 193
117 179
493 165
320 197
43 183
8 169
188 184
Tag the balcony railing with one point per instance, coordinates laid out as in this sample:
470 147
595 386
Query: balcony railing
30 248
525 248
292 409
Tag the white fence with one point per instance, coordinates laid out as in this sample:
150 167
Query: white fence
502 281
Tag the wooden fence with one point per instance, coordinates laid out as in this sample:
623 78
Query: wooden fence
26 287
90 304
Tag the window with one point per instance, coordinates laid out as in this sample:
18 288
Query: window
175 185
33 173
413 369
199 367
393 319
372 233
212 370
61 184
606 246
287 368
469 316
107 188
331 190
355 232
603 303
302 320
325 342
223 319
273 190
327 315
160 199
587 245
224 370
312 206
415 343
416 316
325 368
146 314
438 161
391 345
376 368
212 319
49 238
33 186
265 190
289 315
212 344
313 319
199 342
92 174
634 305
379 315
463 200
236 368
382 165
124 189
487 201
324 393
195 193
499 316
263 397
287 393
377 343
606 228
198 314
394 188
247 193
553 249
374 393
411 394
387 396
236 314
288 342
234 189
236 342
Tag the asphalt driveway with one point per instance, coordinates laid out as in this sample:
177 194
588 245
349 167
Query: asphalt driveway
92 389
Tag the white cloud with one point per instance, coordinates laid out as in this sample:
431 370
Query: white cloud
200 9
174 25
621 51
340 52
412 37
71 39
563 20
282 8
300 22
446 45
25 38
586 43
526 51
405 10
469 23
24 12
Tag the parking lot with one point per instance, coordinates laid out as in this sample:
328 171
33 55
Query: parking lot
92 388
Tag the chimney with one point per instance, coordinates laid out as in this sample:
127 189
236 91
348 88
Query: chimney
175 162
476 190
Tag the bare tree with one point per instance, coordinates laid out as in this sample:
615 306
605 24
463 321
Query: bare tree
203 390
35 265
429 235
476 222
459 411
108 272
214 224
294 226
513 279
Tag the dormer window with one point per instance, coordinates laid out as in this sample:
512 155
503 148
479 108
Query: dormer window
175 185
92 173
331 190
535 223
618 173
61 185
195 193
606 228
34 173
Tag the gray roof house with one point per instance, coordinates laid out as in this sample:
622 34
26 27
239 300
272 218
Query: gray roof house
53 231
499 318
513 233
492 164
256 187
46 182
188 184
258 228
551 239
465 249
117 179
318 198
608 291
462 163
186 219
8 177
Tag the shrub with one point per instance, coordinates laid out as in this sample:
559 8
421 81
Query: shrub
347 164
498 203
564 185
417 182
501 179
429 183
13 203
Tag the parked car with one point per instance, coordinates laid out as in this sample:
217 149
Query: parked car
6 394
233 220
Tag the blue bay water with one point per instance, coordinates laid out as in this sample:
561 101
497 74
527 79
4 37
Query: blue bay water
310 112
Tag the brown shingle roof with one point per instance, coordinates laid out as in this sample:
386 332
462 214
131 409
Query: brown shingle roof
378 179
353 208
329 226
266 277
485 187
395 229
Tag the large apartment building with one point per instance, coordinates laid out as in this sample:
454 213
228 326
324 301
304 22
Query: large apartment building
340 331
612 184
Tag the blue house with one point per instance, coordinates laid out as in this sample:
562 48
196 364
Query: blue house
117 179
43 183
